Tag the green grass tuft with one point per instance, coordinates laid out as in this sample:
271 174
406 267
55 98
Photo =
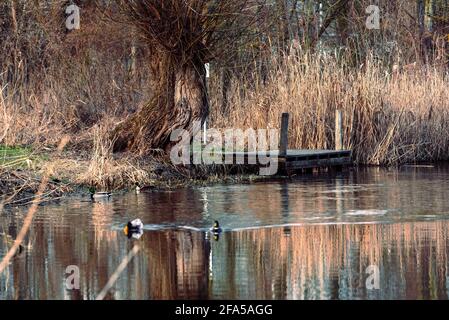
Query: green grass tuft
15 157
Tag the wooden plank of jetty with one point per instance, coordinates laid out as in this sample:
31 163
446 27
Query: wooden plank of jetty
297 159
291 161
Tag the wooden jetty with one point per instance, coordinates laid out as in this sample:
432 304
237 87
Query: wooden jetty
309 159
293 161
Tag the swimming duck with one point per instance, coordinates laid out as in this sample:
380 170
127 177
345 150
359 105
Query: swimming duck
142 188
19 251
216 228
99 195
134 229
10 242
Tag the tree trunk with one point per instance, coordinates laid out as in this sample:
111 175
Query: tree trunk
179 98
284 26
426 12
342 26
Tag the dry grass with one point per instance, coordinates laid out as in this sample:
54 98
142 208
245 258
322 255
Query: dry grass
106 172
386 120
54 83
33 122
80 83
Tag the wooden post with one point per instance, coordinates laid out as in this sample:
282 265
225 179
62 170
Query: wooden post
338 131
132 68
207 68
205 132
284 135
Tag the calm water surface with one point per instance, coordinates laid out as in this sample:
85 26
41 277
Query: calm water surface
308 238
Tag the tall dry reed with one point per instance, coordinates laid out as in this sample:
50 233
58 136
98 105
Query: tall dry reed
386 119
107 172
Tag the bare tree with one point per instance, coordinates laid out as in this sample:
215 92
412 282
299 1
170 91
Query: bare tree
182 35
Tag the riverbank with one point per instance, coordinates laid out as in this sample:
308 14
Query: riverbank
388 118
71 173
74 172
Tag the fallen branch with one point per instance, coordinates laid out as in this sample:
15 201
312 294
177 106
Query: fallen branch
117 272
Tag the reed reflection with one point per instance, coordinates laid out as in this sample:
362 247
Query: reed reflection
396 220
314 262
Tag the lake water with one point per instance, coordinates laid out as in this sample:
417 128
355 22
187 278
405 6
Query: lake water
313 237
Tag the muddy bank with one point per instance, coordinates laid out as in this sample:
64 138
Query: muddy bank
73 173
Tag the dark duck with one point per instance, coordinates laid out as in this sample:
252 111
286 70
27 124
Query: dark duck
216 228
9 241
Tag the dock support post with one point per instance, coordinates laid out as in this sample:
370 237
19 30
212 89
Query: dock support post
283 145
284 135
338 130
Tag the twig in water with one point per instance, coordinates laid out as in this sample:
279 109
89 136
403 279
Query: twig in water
29 218
117 272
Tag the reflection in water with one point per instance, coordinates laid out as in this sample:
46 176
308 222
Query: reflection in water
328 232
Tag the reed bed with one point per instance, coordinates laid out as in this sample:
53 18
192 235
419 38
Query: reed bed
387 118
106 172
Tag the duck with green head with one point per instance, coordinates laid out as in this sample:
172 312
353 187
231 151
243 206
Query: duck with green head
99 195
216 227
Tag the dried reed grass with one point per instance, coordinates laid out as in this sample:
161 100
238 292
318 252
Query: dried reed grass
104 170
386 120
